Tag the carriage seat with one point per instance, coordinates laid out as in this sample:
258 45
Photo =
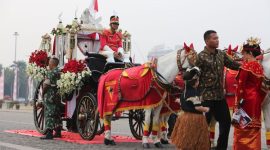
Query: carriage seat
113 65
96 63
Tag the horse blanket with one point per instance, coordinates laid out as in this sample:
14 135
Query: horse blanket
135 86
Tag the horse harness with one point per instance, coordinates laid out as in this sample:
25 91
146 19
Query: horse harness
167 87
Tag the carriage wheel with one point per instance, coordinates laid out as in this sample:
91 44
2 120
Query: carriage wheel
136 123
100 127
87 118
38 110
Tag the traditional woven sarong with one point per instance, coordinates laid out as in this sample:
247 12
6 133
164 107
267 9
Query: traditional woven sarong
190 132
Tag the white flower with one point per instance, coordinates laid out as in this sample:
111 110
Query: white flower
73 75
36 72
70 81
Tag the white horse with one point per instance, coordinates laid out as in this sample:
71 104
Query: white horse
164 118
266 103
168 66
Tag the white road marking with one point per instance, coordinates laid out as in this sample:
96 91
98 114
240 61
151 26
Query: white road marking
17 147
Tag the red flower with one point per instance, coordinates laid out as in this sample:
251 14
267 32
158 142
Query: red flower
39 57
74 66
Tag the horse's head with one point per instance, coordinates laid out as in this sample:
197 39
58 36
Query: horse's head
186 57
232 52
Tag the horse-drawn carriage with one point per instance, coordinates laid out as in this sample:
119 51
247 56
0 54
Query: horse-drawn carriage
85 117
82 40
144 90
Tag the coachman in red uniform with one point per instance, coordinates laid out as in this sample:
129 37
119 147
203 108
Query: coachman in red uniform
111 41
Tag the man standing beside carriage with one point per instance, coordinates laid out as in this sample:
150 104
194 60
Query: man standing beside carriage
52 101
211 61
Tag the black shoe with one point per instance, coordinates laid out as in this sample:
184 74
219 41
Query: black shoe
109 142
217 148
158 145
164 141
48 136
58 132
146 145
57 135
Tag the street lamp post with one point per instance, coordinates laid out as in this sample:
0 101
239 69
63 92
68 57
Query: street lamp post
16 34
15 88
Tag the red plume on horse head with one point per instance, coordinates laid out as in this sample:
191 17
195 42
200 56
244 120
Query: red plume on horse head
230 50
188 48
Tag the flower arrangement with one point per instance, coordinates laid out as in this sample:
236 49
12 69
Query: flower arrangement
58 31
37 63
72 76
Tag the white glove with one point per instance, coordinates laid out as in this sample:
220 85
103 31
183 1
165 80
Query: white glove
108 52
124 55
120 50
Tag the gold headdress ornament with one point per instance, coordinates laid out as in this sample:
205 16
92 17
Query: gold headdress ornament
253 41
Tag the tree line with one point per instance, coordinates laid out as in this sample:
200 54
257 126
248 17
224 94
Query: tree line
9 79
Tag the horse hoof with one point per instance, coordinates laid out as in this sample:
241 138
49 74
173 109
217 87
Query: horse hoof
164 141
109 142
146 145
112 142
158 145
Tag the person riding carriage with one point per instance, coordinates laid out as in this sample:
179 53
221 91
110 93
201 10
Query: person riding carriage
111 44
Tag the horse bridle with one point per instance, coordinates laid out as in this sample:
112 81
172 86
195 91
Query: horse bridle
178 59
167 85
179 65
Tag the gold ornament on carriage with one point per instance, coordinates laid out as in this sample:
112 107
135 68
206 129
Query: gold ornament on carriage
46 43
126 41
72 29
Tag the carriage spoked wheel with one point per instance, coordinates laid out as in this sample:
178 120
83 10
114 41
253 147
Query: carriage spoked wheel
87 118
39 109
136 123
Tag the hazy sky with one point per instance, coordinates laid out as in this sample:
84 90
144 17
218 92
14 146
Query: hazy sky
151 22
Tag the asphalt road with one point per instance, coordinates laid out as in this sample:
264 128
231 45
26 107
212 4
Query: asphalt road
23 119
13 120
